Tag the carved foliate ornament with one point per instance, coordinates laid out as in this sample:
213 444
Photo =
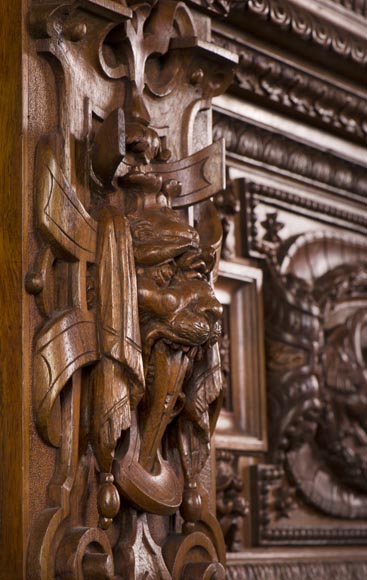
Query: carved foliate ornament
127 377
275 150
305 25
232 507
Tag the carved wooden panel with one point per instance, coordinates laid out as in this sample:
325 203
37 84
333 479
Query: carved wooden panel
140 293
294 127
317 100
241 423
314 316
310 489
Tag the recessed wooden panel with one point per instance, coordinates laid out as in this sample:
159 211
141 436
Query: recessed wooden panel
242 422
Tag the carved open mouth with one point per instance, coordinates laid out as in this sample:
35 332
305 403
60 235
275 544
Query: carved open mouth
185 333
140 182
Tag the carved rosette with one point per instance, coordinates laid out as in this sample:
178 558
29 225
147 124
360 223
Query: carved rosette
127 376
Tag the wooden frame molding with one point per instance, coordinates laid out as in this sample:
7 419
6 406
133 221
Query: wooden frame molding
250 141
242 424
312 94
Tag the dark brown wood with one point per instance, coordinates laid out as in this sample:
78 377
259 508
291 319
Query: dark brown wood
116 267
315 314
281 564
307 94
312 32
294 132
13 431
231 506
126 368
242 422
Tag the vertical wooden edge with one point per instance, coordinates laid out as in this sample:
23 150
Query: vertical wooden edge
27 186
261 359
11 295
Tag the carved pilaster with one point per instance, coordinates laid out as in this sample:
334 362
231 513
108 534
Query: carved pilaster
127 382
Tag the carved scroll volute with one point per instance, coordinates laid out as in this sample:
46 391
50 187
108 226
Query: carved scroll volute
127 374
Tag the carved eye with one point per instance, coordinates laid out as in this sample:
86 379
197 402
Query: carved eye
143 230
162 275
165 273
161 73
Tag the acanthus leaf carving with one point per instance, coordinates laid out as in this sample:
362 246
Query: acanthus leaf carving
303 93
232 507
276 150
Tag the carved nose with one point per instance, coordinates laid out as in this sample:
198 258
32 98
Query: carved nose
217 310
137 109
212 309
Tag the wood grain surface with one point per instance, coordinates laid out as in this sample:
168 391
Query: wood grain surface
11 484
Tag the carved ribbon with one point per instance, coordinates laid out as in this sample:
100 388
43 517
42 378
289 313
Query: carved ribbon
118 380
62 348
73 340
61 216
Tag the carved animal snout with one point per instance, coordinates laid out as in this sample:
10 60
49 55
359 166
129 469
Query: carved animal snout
200 320
211 309
142 142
